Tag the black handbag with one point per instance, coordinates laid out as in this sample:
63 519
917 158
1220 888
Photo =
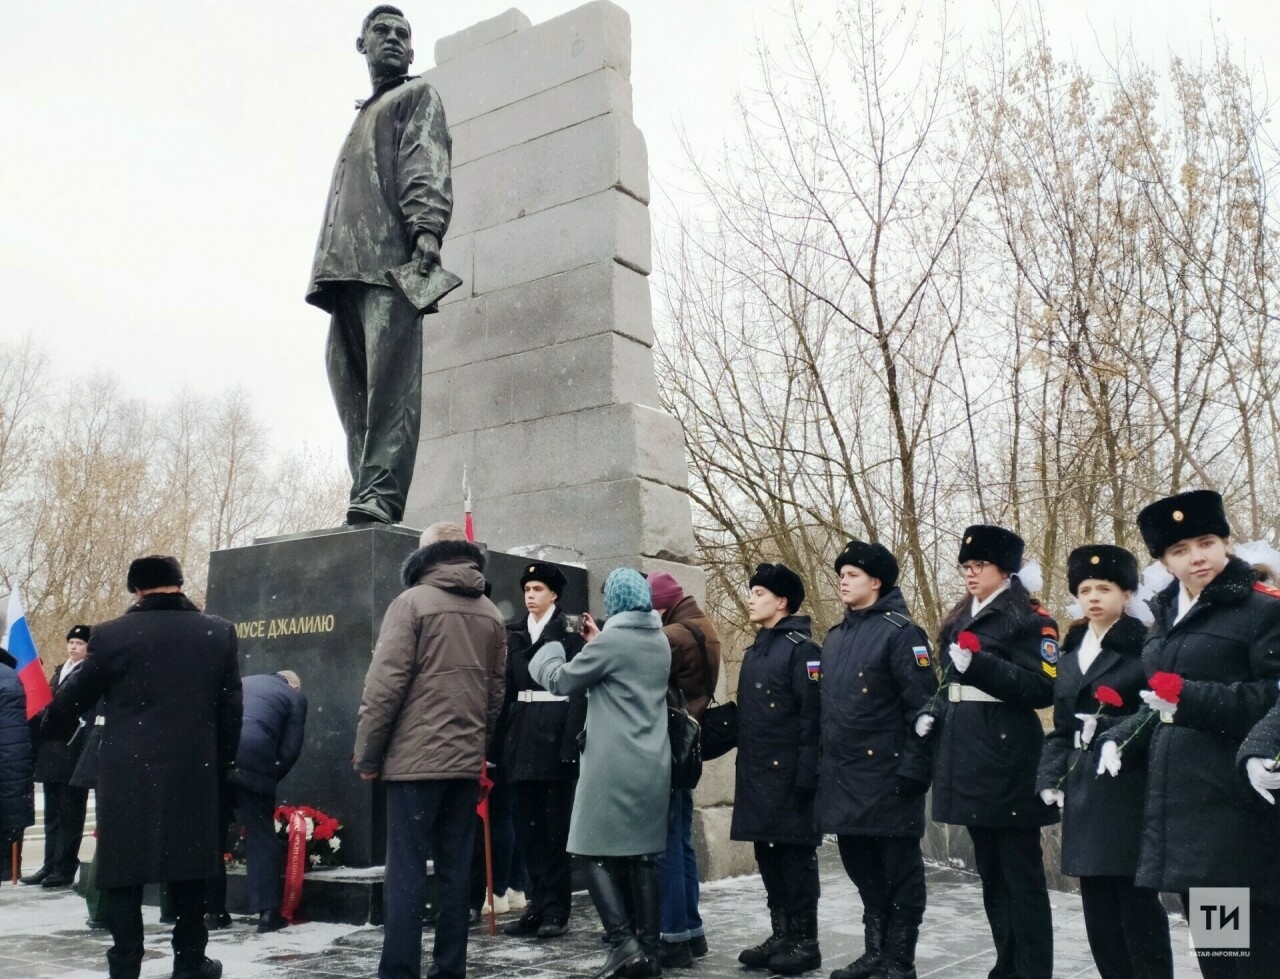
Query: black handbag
686 747
719 730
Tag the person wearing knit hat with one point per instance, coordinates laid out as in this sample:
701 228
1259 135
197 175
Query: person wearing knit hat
1212 663
999 660
1100 676
876 676
64 804
618 822
539 766
777 769
695 670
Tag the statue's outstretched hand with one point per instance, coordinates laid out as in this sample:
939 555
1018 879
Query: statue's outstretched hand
426 250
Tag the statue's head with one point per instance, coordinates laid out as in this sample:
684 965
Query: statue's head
386 41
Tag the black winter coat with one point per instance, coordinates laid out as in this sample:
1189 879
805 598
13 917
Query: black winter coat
876 677
17 763
987 754
1102 817
779 712
56 757
171 685
271 732
1204 826
86 774
539 741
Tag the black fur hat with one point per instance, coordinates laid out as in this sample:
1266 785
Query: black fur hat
547 573
1193 514
1103 561
79 632
154 571
875 559
782 581
995 545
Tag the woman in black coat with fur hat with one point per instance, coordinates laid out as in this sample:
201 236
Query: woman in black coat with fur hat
777 768
1216 640
1099 678
1000 658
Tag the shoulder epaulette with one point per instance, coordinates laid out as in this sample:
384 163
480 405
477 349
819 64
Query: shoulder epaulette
798 637
1043 611
897 618
1266 589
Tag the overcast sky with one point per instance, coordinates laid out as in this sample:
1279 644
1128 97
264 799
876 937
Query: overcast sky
164 163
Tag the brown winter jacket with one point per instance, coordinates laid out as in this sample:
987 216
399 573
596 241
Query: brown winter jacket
688 673
434 688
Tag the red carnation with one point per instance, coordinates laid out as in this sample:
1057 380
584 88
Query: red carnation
968 641
1167 686
1108 696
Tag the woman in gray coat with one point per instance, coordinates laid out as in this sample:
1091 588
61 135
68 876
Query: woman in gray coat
620 809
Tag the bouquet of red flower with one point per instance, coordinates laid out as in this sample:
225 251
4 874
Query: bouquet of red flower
1106 697
323 834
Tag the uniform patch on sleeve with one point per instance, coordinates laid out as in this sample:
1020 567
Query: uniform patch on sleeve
1049 652
1050 671
1266 589
921 654
814 667
1049 631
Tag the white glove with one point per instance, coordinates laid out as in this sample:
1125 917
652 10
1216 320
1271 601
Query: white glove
924 724
1088 728
1053 797
1155 703
1109 761
1263 777
960 657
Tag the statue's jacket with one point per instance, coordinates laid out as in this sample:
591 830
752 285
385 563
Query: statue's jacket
391 182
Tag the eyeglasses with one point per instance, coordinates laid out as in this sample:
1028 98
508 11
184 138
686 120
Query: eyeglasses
972 567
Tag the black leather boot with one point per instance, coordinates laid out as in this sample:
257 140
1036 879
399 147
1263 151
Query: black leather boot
870 964
900 950
646 903
608 884
757 956
801 952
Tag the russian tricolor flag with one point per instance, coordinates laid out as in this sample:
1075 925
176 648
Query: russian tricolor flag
17 639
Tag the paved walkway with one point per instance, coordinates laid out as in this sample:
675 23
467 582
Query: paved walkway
42 934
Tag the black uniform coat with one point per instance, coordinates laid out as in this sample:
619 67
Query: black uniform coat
1204 826
17 795
876 676
171 685
1102 817
987 754
271 733
778 731
540 738
56 757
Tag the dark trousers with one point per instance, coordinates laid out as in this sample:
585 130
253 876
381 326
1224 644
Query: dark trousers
1263 960
544 809
425 818
508 853
1128 929
888 872
374 359
790 875
680 893
264 853
64 809
121 910
1016 898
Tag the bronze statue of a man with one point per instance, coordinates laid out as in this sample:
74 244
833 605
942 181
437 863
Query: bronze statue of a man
389 204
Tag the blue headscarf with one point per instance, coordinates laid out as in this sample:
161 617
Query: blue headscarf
625 590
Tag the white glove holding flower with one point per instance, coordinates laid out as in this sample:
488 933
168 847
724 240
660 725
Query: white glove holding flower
1088 728
924 724
1263 777
1053 797
1156 702
960 656
1109 761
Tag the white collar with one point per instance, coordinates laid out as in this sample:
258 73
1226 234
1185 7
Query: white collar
1091 646
977 606
68 668
535 626
1185 602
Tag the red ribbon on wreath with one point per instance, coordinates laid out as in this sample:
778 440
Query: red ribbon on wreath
295 865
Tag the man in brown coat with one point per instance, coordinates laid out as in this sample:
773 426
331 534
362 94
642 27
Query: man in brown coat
431 701
695 669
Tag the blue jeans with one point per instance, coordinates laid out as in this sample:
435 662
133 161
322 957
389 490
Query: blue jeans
425 818
679 864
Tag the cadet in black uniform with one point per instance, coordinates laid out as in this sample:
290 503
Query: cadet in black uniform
874 772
